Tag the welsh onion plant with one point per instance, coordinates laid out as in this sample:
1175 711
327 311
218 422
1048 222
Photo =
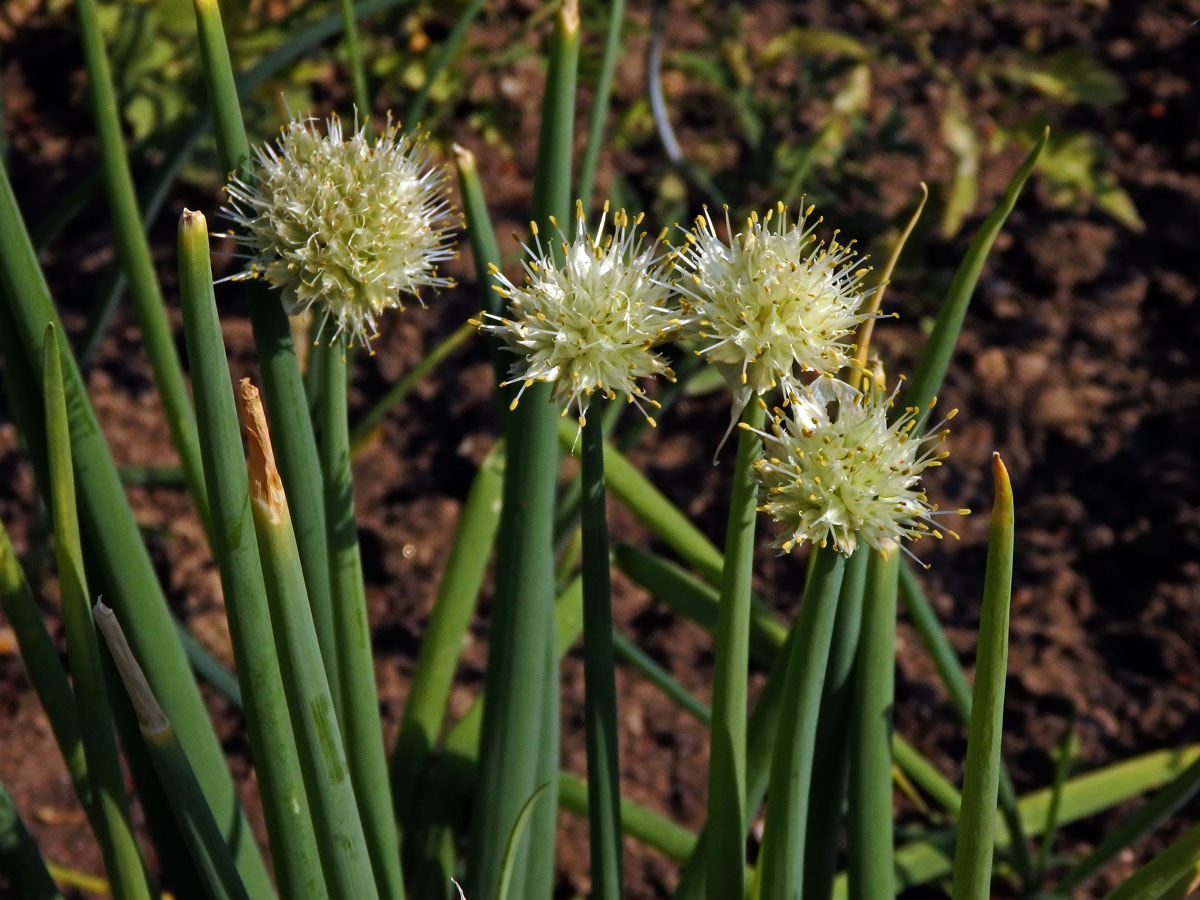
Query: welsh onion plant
345 224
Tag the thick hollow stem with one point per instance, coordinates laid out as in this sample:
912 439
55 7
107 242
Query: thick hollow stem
362 731
727 760
790 785
600 692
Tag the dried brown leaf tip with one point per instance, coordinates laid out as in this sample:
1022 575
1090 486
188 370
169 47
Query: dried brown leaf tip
266 489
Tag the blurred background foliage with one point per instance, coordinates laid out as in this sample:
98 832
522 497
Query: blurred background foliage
767 104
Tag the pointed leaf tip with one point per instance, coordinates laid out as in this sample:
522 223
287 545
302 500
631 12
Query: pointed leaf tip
463 157
1003 486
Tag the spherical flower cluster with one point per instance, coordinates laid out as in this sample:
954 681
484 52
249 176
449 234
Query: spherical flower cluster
835 471
772 302
589 323
343 225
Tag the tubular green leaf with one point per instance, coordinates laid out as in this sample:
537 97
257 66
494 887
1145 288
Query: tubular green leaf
654 510
790 786
456 773
120 557
285 803
928 859
599 675
40 657
484 250
727 750
600 96
205 844
1062 766
661 678
20 860
954 680
926 776
1162 805
519 748
931 368
833 751
643 825
358 73
362 431
336 823
447 49
113 825
981 776
509 864
283 386
229 129
133 248
869 828
362 730
442 643
1161 874
696 601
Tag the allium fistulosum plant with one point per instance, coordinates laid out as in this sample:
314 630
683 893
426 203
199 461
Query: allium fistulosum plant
347 224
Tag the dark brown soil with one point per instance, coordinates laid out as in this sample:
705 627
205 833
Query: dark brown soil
1078 364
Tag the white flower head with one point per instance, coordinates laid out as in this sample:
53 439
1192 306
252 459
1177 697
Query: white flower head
835 471
773 301
345 226
589 323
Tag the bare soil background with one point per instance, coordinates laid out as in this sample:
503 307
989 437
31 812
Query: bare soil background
1078 364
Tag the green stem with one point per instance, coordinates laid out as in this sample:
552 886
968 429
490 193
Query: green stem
1159 808
631 653
40 657
1159 879
595 137
359 713
869 828
358 72
519 750
442 644
214 865
931 368
285 802
954 680
133 248
727 758
832 760
981 776
20 859
120 558
118 845
643 825
336 822
600 689
654 510
790 786
449 46
1062 767
283 385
